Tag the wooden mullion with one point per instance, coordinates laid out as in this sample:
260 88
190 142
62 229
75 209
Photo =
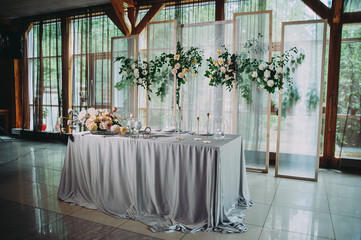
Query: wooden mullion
351 17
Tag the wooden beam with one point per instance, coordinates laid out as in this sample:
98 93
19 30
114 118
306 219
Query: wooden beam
333 77
131 16
119 11
112 16
151 14
319 8
351 17
130 3
219 10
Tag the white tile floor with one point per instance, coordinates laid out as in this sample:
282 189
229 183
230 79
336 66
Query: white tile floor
283 208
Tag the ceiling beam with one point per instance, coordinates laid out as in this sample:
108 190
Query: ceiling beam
319 8
351 17
151 14
130 3
119 11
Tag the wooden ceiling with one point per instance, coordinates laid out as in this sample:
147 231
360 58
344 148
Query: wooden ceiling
12 9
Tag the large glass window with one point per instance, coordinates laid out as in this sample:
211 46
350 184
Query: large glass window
44 75
91 60
348 133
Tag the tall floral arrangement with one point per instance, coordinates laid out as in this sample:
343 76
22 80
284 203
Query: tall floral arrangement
221 70
184 63
133 72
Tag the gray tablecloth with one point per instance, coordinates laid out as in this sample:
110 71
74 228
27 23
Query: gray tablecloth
163 182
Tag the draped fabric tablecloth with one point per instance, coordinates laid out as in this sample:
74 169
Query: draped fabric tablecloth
163 182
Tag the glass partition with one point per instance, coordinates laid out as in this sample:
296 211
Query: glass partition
161 38
299 118
198 98
252 114
124 99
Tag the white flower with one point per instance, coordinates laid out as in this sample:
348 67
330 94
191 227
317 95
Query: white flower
92 127
144 72
271 66
136 75
136 71
219 52
174 71
144 66
180 75
254 74
262 66
176 57
124 73
115 128
215 62
258 80
185 70
279 70
92 111
70 111
261 86
270 83
177 66
134 66
223 69
277 76
220 61
267 74
102 126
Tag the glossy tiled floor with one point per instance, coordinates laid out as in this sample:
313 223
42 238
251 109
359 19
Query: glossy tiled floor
284 209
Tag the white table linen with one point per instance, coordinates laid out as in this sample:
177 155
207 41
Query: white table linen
163 182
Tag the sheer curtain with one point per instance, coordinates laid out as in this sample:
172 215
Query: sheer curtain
124 99
161 39
252 117
198 98
91 60
44 75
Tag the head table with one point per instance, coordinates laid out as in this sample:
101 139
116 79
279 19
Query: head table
166 183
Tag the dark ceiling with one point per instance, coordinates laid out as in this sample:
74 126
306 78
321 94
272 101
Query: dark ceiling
11 9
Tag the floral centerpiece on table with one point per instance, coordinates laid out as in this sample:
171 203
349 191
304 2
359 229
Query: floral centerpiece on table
184 62
133 73
95 120
221 70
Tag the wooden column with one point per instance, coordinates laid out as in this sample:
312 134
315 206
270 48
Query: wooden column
17 112
66 68
220 10
328 159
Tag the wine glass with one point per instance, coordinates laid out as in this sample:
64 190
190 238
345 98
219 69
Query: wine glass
138 126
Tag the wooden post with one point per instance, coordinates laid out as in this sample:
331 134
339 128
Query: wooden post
66 68
219 10
328 159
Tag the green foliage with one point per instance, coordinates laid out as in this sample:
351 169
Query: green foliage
157 72
243 69
312 99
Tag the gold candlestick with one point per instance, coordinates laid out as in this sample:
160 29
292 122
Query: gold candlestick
207 130
180 120
198 138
